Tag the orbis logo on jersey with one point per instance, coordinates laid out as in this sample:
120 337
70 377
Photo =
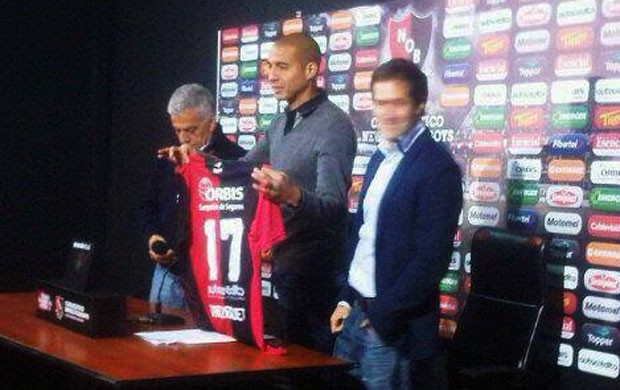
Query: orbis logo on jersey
564 196
209 193
604 226
602 281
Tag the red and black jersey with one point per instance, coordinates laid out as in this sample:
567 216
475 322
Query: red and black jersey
231 228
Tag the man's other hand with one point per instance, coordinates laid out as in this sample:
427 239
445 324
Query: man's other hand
276 185
167 258
338 316
177 154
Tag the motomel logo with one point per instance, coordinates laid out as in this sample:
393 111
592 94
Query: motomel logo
522 219
531 67
571 65
247 106
604 309
249 52
341 20
490 95
533 41
249 33
492 70
481 191
229 125
456 49
228 90
230 36
494 21
534 15
575 12
362 101
367 16
229 72
483 216
362 80
454 96
247 124
607 199
610 34
603 253
493 45
527 118
247 141
566 170
455 261
607 91
523 169
338 82
570 91
487 143
456 73
486 167
607 117
574 38
602 281
568 144
455 26
562 249
267 105
270 30
600 336
230 54
605 172
565 355
339 62
604 226
366 59
525 144
570 116
563 223
448 305
292 26
568 328
606 144
340 41
611 8
342 101
610 63
564 196
528 94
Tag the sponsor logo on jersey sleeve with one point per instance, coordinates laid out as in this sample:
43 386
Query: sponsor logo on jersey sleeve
564 196
563 223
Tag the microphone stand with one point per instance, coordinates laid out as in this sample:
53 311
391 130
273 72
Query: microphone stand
157 317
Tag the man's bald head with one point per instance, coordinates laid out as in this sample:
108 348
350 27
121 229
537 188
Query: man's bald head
306 48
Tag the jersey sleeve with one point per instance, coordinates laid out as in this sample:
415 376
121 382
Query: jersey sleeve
267 228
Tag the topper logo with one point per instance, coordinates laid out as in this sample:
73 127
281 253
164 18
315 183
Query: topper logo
534 15
600 336
316 25
525 144
532 41
604 309
494 21
561 249
610 34
340 41
270 30
531 67
230 54
230 36
480 191
528 94
602 281
483 216
575 12
524 169
602 253
604 226
455 26
490 95
607 91
606 144
486 167
571 65
611 62
493 45
338 82
564 196
607 117
605 172
574 38
563 223
492 70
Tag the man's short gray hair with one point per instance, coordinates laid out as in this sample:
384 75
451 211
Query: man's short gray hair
190 96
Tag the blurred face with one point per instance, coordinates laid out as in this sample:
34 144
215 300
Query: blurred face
192 128
394 109
290 78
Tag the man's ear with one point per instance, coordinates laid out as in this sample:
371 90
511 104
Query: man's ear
312 69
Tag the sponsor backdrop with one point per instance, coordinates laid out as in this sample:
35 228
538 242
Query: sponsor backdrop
525 94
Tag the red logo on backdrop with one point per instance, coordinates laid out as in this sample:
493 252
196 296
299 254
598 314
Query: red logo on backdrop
249 33
493 45
525 141
604 226
487 143
527 118
458 238
230 36
367 59
606 142
448 305
607 117
568 328
569 303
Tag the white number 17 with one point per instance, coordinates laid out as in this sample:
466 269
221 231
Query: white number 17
231 228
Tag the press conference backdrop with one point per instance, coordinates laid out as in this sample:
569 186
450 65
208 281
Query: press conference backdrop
525 94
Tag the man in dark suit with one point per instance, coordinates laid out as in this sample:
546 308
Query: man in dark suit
192 114
401 239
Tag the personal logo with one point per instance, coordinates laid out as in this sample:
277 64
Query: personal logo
605 198
563 249
229 89
230 36
247 124
563 223
604 254
409 35
339 62
534 15
483 216
456 49
448 305
522 219
340 41
611 8
367 16
249 52
527 119
600 336
531 67
487 143
532 41
566 170
574 38
492 70
249 33
564 196
486 167
456 73
604 309
495 45
604 226
454 96
607 91
528 94
610 34
483 191
572 144
573 65
522 193
490 94
366 58
607 117
575 12
341 20
570 116
230 54
602 281
497 20
525 144
367 36
456 26
529 169
489 117
605 172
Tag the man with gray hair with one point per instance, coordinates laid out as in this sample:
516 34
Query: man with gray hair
192 115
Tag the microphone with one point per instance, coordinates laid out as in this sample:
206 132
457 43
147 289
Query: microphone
160 247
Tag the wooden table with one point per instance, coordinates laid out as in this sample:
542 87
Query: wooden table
131 362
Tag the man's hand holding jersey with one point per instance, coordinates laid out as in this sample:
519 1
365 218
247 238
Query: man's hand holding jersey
177 154
276 185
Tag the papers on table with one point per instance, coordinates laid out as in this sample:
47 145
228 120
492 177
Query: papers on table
185 336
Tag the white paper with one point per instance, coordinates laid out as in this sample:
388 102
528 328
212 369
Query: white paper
185 336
